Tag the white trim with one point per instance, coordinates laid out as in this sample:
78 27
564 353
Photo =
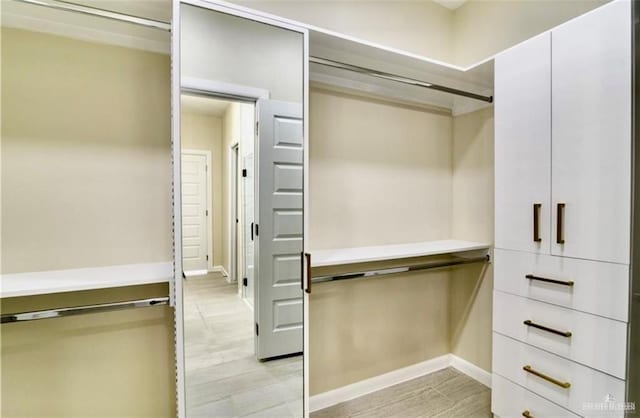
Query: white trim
223 89
477 373
383 381
234 182
376 383
219 269
193 273
208 188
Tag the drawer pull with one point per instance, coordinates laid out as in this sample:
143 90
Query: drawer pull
554 281
529 369
560 224
532 324
536 222
527 414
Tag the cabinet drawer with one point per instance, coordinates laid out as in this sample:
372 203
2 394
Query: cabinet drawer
584 385
509 400
598 288
592 340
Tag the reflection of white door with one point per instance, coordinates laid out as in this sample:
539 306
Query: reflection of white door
279 301
247 224
194 213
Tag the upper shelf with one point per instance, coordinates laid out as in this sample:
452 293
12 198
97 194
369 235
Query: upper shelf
46 282
326 44
343 256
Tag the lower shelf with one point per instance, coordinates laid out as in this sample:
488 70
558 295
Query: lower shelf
73 280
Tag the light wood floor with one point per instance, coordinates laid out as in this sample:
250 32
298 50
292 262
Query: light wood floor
444 394
223 378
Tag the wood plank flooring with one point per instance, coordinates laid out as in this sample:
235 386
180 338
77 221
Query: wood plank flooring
443 394
223 378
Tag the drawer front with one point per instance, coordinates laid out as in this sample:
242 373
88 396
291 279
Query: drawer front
592 340
587 386
509 400
598 288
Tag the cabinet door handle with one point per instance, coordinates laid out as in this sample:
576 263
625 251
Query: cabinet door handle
546 280
536 222
527 414
529 369
560 224
532 324
308 257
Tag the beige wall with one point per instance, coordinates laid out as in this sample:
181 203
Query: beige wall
421 27
482 28
379 174
86 181
86 154
471 33
204 132
471 287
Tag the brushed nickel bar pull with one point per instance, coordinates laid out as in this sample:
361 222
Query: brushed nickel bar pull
529 369
569 283
527 414
536 222
309 279
78 310
532 324
560 224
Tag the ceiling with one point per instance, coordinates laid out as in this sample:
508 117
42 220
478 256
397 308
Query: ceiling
451 4
203 105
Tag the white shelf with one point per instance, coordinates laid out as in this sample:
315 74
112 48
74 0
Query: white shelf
343 256
46 282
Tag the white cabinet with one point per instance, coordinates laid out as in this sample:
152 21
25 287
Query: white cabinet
563 140
523 146
591 135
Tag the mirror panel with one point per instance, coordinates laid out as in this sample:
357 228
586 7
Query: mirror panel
241 119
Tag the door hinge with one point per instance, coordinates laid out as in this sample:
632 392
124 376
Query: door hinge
206 212
244 172
257 329
257 127
207 257
245 281
256 230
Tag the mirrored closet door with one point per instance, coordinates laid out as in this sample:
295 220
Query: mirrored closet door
238 100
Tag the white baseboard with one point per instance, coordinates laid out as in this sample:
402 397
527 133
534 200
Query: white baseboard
373 384
219 269
471 370
383 381
192 273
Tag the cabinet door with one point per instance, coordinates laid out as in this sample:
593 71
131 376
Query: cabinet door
591 135
523 146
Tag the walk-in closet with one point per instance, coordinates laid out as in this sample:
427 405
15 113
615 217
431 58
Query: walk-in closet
319 209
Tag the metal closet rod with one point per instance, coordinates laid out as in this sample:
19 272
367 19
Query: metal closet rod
94 11
399 79
395 270
81 310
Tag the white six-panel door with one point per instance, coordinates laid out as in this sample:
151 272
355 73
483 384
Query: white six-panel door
280 232
591 151
523 146
194 212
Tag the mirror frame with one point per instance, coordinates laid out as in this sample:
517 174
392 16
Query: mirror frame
177 85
